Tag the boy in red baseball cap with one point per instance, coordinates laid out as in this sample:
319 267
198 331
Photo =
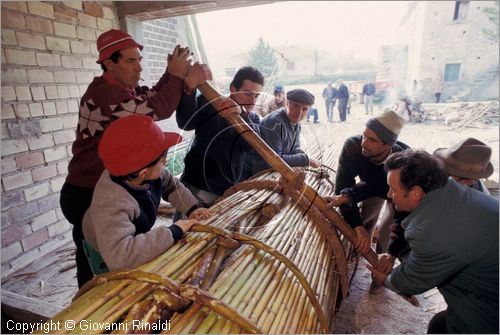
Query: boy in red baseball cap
119 224
109 97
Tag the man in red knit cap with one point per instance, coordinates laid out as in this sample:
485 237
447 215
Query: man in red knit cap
114 95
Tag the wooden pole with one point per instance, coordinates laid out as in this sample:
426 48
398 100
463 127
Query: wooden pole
291 176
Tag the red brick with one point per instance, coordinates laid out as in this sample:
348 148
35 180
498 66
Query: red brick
35 239
66 15
15 232
14 20
25 161
15 5
44 173
39 25
92 8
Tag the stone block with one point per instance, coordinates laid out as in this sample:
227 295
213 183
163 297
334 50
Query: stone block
108 13
15 5
51 91
58 228
17 180
37 192
31 41
44 220
13 20
89 63
4 132
41 8
84 77
73 106
44 173
78 47
12 199
64 136
63 92
20 57
13 233
11 252
51 124
36 109
22 111
27 160
71 62
55 154
57 44
61 107
104 24
7 112
62 167
40 142
23 93
70 121
35 239
26 258
74 4
11 75
64 77
39 25
40 76
45 59
74 92
38 93
8 93
48 203
92 8
8 165
86 33
87 20
8 37
57 183
24 128
66 14
63 29
49 108
26 211
10 147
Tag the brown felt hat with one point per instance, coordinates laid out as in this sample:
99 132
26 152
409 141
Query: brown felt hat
469 158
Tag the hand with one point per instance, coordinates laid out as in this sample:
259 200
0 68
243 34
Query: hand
197 75
385 263
227 107
179 61
314 163
200 214
377 276
337 200
362 240
186 225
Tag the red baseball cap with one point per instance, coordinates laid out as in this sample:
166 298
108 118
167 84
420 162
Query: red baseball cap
131 143
114 40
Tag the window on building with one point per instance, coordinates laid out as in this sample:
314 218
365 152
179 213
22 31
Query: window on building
451 72
461 9
290 66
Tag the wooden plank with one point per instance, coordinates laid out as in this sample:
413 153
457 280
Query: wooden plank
23 309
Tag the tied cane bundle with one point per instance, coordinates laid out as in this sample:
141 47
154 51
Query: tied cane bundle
268 261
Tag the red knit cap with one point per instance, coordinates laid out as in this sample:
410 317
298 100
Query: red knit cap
131 143
114 40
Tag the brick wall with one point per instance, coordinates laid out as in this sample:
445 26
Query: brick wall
48 60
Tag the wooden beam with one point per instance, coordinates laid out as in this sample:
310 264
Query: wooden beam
24 309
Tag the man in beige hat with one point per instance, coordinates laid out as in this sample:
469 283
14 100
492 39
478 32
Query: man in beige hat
363 156
467 162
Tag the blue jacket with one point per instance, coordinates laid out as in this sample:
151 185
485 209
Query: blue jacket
453 235
369 89
343 92
283 137
215 159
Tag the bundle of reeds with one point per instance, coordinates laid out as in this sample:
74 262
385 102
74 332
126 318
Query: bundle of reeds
267 262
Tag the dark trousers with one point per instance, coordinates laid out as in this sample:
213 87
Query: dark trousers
437 325
438 97
74 203
342 106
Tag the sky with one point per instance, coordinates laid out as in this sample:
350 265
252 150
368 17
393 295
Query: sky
334 26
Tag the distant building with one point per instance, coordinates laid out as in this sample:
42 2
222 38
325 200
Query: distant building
447 48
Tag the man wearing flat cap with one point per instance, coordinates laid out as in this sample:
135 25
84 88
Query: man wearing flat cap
363 156
277 102
114 95
281 131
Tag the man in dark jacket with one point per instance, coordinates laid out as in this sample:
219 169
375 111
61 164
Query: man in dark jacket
329 94
214 162
363 156
368 92
343 97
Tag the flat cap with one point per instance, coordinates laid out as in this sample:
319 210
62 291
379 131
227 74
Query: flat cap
300 95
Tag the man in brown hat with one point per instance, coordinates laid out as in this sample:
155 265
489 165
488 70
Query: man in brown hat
363 156
114 95
467 162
